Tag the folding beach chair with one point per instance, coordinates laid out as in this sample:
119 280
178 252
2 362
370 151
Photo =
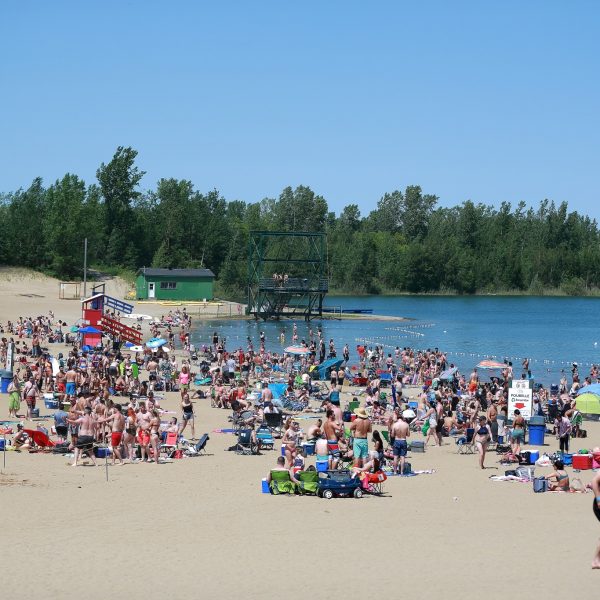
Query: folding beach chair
245 444
308 482
465 443
374 483
199 448
170 444
265 437
274 422
281 483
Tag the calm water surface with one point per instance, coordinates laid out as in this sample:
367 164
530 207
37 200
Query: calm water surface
552 332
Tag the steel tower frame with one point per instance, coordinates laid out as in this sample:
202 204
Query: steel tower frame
301 256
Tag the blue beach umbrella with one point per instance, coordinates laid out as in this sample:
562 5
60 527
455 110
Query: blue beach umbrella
89 329
156 342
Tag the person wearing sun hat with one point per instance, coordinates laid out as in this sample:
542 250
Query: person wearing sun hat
360 428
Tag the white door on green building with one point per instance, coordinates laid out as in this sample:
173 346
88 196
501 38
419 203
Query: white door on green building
151 292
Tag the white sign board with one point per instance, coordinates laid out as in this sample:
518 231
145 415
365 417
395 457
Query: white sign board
520 396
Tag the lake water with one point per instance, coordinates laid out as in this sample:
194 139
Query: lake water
552 332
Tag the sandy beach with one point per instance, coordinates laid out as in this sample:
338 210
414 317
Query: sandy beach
201 526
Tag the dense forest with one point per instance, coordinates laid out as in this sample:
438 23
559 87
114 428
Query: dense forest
407 243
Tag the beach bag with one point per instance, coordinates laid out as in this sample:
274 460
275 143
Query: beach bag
540 485
526 472
510 473
425 427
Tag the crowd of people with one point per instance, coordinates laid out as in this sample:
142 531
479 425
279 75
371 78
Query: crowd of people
112 396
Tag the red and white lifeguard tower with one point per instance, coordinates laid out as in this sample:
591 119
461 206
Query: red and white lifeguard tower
94 313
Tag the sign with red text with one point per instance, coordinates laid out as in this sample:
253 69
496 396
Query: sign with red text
520 396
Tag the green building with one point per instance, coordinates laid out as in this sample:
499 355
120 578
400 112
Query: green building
174 284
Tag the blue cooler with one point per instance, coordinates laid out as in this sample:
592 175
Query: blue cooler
283 450
533 456
322 466
567 459
2 443
309 448
265 486
5 379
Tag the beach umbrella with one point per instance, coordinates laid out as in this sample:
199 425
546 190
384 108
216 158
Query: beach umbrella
88 329
74 329
156 342
128 344
594 388
297 350
588 404
448 374
491 364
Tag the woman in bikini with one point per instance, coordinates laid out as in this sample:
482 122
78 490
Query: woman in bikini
483 435
290 440
155 435
559 480
129 433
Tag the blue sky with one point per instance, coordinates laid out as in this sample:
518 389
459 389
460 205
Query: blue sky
480 100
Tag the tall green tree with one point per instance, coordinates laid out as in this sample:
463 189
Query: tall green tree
119 180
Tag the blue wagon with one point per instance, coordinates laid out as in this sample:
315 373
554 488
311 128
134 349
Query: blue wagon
338 483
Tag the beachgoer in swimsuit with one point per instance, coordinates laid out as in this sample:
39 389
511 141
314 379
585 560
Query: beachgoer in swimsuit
559 480
143 419
517 435
117 421
85 438
399 432
155 435
188 414
483 435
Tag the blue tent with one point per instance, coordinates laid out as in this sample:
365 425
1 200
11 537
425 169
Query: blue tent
325 367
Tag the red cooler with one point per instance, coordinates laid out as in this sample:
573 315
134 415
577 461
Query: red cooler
583 462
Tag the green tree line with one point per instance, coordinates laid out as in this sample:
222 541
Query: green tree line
407 243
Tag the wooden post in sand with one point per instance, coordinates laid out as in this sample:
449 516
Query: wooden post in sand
4 451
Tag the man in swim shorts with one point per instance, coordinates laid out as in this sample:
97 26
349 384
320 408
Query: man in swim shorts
70 379
117 421
85 439
332 431
143 422
360 427
400 431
